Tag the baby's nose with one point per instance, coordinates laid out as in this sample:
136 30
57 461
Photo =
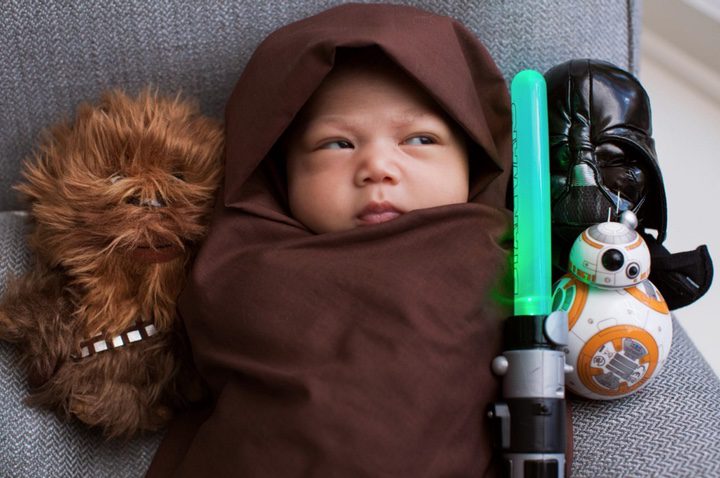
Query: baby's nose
378 165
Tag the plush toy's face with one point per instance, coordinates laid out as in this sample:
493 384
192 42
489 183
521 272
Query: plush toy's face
130 180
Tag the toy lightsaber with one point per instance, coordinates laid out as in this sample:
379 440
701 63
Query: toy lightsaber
530 421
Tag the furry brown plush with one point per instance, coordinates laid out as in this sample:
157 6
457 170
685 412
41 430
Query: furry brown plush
118 199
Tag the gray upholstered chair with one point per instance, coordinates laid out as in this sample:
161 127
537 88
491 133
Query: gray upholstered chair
55 54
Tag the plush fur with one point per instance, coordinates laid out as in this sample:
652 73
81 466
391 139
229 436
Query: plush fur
119 199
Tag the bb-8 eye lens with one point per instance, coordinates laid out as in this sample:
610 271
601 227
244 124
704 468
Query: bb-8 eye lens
613 260
633 270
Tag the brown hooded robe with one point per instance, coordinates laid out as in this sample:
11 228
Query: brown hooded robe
362 353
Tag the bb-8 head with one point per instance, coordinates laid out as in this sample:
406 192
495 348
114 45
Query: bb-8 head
611 254
620 326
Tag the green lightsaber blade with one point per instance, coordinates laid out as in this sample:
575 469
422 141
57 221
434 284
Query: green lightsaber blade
531 191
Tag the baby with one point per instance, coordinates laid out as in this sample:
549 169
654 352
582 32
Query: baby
371 145
340 307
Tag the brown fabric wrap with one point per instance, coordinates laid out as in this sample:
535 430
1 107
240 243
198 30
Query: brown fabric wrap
362 353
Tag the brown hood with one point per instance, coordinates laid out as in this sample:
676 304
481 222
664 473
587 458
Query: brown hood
438 52
360 353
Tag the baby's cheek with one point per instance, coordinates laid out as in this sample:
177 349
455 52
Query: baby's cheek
442 185
320 202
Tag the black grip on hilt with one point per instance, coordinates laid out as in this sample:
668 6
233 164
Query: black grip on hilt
537 425
526 332
530 423
533 438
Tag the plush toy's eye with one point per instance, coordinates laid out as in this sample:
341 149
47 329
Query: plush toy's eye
116 177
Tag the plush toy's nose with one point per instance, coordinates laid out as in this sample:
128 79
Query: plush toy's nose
154 202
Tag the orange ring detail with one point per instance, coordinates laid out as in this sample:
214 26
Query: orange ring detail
636 244
656 305
590 242
615 335
581 295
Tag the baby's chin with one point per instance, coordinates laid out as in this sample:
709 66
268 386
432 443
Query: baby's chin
373 215
379 218
366 221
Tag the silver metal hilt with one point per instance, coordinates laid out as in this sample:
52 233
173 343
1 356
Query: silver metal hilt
530 421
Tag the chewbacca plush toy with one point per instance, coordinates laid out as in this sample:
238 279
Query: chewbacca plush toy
119 198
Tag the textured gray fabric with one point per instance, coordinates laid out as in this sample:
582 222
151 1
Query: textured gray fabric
34 443
671 428
54 54
14 254
635 30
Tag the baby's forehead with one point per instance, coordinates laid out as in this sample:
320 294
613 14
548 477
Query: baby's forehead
397 118
354 86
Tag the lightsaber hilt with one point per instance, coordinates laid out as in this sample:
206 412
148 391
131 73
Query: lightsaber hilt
529 424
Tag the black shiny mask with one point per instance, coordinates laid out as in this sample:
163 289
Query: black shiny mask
602 156
595 186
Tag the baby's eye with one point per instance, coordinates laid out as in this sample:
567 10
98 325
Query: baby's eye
339 144
419 140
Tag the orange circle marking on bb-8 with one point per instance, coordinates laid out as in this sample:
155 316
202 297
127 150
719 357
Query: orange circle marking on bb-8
658 305
634 370
578 304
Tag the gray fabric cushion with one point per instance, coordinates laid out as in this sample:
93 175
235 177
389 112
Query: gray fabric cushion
34 443
54 54
671 428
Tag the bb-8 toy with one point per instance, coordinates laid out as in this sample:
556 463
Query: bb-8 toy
620 326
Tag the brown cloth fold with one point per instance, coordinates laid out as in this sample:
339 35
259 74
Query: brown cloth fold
361 353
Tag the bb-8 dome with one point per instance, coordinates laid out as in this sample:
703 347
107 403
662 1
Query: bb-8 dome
610 254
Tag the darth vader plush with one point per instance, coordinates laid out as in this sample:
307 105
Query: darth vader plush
603 162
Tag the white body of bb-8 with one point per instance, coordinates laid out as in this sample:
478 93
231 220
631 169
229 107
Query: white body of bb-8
620 326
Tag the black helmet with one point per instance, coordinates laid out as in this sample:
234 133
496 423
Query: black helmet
603 162
603 158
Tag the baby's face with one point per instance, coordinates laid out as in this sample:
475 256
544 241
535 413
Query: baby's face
368 147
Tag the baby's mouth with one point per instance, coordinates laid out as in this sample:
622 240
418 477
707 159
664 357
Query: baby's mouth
378 212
